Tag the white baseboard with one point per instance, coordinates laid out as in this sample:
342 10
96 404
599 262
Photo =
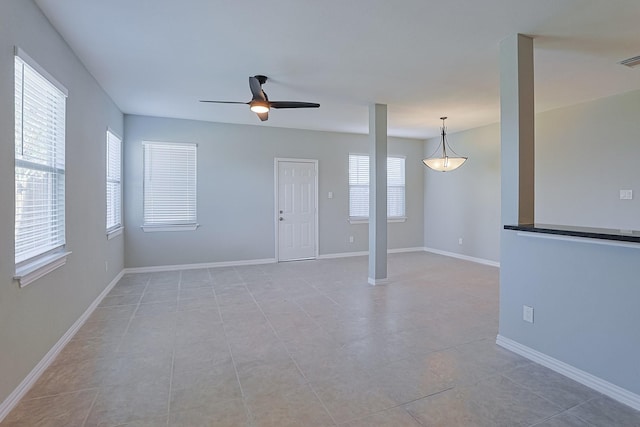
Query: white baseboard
12 400
613 391
365 253
403 250
464 257
343 255
158 268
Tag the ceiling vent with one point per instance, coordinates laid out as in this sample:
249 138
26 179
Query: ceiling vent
631 62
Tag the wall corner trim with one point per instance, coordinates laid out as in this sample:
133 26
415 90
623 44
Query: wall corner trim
14 398
463 257
605 387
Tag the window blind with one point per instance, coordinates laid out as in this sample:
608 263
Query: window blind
114 181
39 163
359 186
169 183
395 187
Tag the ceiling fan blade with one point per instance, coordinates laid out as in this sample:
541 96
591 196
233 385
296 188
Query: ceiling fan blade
225 102
260 101
292 104
256 89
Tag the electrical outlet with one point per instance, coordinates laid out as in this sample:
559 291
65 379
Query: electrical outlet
351 239
527 313
330 195
460 240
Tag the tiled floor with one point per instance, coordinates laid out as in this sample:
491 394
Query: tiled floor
306 344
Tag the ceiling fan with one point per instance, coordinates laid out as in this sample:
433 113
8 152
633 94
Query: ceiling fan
260 103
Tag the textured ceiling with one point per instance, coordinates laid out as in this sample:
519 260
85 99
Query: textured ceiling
423 58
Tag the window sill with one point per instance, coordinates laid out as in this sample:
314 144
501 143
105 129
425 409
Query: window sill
31 272
158 228
114 233
366 220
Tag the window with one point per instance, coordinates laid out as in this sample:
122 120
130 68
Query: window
114 183
395 187
359 187
169 186
40 104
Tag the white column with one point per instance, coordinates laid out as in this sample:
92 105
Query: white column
517 130
377 194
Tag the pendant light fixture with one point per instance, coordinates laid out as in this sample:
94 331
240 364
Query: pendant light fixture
444 163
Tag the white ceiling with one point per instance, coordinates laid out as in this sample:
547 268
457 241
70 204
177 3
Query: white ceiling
423 58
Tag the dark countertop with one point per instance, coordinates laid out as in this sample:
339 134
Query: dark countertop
570 230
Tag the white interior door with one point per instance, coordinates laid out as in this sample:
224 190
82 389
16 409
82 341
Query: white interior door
296 213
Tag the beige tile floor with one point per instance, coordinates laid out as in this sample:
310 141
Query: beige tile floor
306 343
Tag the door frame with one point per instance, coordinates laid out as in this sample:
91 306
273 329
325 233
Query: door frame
276 193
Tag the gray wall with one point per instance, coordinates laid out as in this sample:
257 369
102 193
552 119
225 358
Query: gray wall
466 202
584 294
236 191
34 318
585 155
585 299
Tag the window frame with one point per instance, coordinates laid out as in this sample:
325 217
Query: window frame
116 228
43 258
365 219
180 225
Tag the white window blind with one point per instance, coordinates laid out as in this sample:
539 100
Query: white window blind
395 187
359 187
39 161
169 183
114 181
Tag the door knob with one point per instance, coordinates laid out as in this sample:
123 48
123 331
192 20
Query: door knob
281 219
281 212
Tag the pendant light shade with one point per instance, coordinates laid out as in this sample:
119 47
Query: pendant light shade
444 163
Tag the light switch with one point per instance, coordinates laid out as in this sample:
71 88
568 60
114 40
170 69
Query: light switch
330 195
626 194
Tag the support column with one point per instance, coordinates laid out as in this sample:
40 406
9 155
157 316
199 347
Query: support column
517 130
377 194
